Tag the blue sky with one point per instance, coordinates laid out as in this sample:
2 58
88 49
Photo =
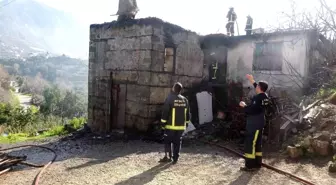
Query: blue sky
201 16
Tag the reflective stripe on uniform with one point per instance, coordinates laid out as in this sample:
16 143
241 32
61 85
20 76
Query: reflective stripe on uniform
175 127
215 70
259 154
252 156
185 115
163 121
172 126
173 117
249 156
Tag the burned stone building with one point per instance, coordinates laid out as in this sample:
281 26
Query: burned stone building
133 65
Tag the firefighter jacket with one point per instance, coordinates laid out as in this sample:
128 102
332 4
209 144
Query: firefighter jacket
232 16
176 112
249 23
256 112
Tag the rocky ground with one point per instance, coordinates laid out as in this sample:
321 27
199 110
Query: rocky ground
135 163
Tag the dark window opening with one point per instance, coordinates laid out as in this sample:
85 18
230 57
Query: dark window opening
268 56
169 61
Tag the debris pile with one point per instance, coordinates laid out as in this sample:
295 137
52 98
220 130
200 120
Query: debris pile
315 128
7 162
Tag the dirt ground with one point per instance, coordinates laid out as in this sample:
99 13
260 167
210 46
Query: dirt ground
135 163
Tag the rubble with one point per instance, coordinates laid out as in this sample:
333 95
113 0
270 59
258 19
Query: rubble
321 147
332 167
314 125
294 151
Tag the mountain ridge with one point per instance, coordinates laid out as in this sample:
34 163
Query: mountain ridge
29 27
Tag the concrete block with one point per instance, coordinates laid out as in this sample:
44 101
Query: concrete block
90 113
102 73
133 77
154 111
146 42
186 81
188 54
157 61
158 31
120 43
91 55
94 33
138 93
101 48
101 88
137 109
158 43
145 60
92 46
127 60
158 94
90 89
108 32
161 79
137 122
101 103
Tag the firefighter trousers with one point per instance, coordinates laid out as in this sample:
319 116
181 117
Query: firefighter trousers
253 145
230 28
173 139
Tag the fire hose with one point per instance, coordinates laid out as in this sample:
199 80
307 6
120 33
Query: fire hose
44 166
296 178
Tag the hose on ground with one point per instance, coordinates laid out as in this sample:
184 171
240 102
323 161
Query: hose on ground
43 166
263 164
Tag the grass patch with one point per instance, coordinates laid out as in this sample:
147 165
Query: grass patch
325 93
55 130
20 137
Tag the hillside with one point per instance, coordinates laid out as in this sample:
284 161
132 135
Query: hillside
67 72
28 27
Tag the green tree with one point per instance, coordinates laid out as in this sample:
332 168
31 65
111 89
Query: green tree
52 98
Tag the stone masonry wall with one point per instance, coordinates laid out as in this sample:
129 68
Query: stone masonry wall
135 55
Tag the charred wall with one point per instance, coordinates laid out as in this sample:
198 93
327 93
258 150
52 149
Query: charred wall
140 59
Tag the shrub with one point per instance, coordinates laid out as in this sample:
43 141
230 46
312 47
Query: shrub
77 123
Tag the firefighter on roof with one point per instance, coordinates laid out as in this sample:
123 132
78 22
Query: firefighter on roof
254 126
248 27
232 17
175 117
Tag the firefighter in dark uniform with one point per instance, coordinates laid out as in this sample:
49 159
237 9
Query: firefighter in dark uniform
232 17
254 126
248 27
175 117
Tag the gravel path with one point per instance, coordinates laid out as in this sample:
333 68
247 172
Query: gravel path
135 163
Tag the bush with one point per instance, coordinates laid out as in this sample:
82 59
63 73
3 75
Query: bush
37 100
77 123
15 101
16 118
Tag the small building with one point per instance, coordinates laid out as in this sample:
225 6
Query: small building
283 59
132 68
133 65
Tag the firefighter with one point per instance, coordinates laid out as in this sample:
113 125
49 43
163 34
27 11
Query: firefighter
232 17
175 117
254 126
248 27
127 10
